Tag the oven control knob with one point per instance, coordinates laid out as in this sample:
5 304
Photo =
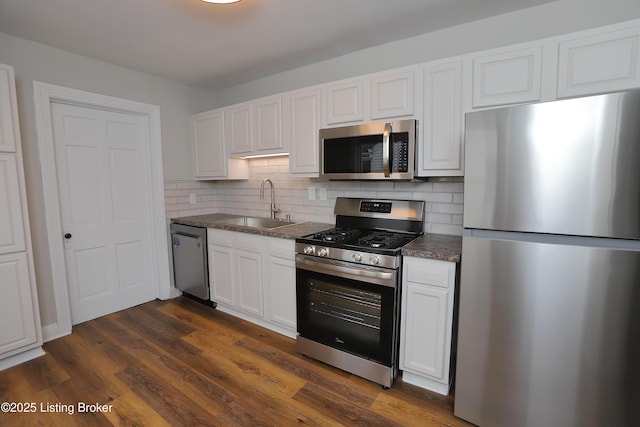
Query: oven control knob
375 260
309 250
356 257
323 252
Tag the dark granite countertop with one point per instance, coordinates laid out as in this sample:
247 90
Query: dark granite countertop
298 229
432 246
439 247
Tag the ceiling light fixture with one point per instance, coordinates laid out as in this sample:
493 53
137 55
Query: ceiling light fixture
221 1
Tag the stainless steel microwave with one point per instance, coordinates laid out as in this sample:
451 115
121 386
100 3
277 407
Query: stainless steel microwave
380 150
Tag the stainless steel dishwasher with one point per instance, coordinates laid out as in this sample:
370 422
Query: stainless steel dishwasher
190 263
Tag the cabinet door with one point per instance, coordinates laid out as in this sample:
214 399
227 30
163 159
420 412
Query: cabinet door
426 313
8 110
211 161
441 127
507 78
302 124
600 63
248 276
17 315
392 95
238 129
267 117
345 102
11 225
282 283
221 274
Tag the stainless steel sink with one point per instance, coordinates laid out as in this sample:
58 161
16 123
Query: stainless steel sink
256 222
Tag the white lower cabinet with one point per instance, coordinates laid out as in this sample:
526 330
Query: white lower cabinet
427 323
253 277
220 250
247 269
281 282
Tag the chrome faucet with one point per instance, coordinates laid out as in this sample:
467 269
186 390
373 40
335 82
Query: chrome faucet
274 210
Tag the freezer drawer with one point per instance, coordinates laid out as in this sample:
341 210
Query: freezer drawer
548 335
190 264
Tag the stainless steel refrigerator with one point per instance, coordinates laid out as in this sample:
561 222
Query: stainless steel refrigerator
549 315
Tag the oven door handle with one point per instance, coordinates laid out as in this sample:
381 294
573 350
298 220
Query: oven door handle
349 271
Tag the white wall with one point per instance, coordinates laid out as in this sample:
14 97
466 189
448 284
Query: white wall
551 19
37 62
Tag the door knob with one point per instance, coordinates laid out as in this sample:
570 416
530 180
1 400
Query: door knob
67 235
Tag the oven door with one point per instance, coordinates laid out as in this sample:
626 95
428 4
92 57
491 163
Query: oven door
349 307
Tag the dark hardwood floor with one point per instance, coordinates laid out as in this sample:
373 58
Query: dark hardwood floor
178 363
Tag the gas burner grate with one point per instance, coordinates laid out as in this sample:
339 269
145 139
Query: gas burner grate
382 239
338 235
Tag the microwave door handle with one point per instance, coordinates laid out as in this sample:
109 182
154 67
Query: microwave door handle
386 153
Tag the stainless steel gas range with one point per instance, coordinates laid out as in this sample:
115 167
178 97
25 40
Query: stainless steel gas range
348 286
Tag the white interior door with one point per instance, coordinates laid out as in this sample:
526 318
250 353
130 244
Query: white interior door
105 207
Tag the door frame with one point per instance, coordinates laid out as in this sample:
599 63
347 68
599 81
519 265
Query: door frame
44 95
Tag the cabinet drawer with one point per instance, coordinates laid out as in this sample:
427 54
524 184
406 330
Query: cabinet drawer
220 237
430 272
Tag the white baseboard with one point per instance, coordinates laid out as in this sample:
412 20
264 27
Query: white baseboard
21 358
52 332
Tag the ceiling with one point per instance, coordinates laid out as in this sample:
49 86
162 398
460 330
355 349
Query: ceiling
213 46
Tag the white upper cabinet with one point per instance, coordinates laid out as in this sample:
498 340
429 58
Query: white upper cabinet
441 124
239 129
436 93
507 77
255 128
344 102
373 97
392 95
599 63
211 160
267 120
301 123
8 112
208 131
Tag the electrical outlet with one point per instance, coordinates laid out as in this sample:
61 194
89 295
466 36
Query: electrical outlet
322 193
192 198
312 193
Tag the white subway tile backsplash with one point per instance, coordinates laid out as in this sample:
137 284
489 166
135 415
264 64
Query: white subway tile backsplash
443 196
